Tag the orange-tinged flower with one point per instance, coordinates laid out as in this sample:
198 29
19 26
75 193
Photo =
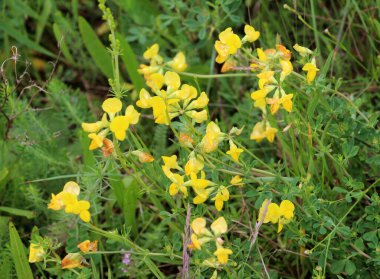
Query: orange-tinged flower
73 260
285 53
186 140
107 148
88 246
143 156
229 65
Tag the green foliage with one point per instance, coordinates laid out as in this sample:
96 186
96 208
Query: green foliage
327 160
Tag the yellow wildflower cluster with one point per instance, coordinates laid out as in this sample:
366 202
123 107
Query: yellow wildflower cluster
112 121
174 100
274 66
202 235
282 214
157 63
67 199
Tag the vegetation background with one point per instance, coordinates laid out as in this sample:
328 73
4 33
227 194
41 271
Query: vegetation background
56 79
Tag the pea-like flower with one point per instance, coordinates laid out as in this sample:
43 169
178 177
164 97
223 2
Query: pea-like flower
173 101
251 35
179 62
67 199
202 235
228 44
212 138
117 124
88 246
73 260
234 151
263 130
282 214
36 253
311 69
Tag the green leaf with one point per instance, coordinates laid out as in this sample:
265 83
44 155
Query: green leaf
18 212
130 204
350 267
22 38
338 266
97 50
326 66
18 254
42 19
62 43
130 62
146 10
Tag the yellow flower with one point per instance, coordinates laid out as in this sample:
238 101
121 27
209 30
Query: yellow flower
251 34
120 124
287 102
199 103
88 246
222 196
36 253
95 127
155 81
303 51
179 62
73 260
222 254
202 195
195 243
97 140
263 130
236 180
172 80
199 226
143 156
177 185
112 105
151 52
234 151
79 208
229 44
194 165
197 116
261 55
70 190
259 97
266 77
212 138
311 70
287 69
144 99
277 214
170 163
219 226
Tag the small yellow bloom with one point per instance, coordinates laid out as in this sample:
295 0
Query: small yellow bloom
97 140
199 226
155 81
70 191
143 156
287 69
234 151
222 196
287 102
303 51
151 52
112 105
229 44
263 130
177 185
236 180
251 34
212 138
198 116
311 70
202 195
195 243
277 214
95 127
88 246
179 62
79 208
172 80
36 253
194 165
219 226
120 124
261 55
222 254
73 260
144 99
200 102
